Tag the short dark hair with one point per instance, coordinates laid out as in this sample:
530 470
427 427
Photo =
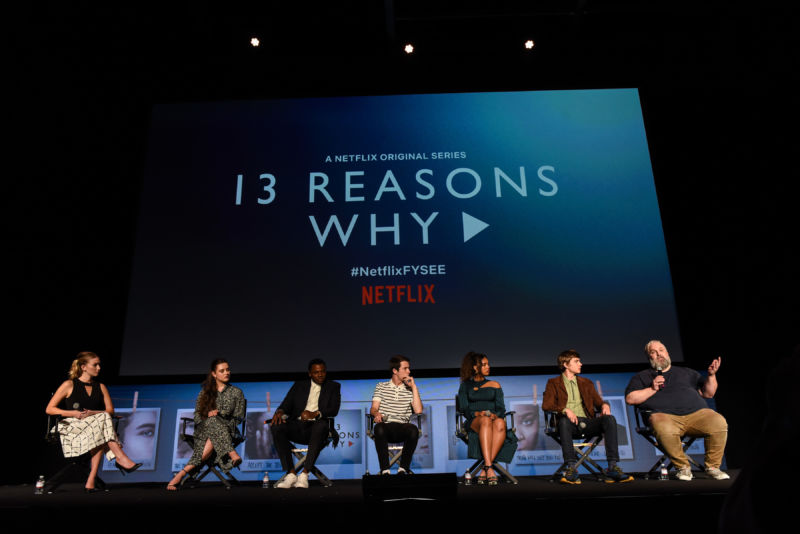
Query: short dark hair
565 357
396 361
316 361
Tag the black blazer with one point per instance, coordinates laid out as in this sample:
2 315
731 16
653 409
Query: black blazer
329 398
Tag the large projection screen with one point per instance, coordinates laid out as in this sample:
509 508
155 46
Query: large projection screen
517 224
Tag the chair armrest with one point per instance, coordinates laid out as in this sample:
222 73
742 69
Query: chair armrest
51 434
642 419
551 421
418 417
370 424
184 422
510 425
461 431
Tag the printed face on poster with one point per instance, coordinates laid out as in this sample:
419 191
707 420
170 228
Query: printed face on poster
138 433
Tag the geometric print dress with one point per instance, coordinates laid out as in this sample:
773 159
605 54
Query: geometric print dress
79 436
221 429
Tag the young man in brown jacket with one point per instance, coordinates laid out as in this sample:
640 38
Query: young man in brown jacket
576 399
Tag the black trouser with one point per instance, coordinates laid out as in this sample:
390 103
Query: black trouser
404 433
604 424
312 433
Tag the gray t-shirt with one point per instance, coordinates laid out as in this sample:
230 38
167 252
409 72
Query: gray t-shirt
679 396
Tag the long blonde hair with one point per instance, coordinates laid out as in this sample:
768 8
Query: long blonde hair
83 358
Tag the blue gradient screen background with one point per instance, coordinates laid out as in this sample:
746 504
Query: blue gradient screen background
570 256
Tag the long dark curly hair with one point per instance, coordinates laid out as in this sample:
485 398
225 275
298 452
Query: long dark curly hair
207 400
471 359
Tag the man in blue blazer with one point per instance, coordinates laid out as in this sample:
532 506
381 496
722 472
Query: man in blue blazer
303 418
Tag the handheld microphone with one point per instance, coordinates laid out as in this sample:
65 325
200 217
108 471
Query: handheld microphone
659 372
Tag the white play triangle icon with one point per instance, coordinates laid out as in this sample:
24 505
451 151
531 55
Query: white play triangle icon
472 226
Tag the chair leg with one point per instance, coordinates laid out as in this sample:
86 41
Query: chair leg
56 480
686 445
476 467
557 474
325 481
75 466
508 476
393 459
212 469
301 460
653 471
199 473
584 451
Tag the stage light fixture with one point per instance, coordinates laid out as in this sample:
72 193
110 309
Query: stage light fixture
254 42
529 44
409 48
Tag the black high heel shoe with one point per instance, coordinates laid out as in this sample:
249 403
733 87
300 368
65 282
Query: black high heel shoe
126 470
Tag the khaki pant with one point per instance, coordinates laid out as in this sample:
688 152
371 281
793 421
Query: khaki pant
705 423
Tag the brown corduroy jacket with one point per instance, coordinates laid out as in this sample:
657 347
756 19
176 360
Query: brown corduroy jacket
555 396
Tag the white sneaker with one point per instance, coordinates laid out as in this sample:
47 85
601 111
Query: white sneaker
288 481
685 474
717 474
302 481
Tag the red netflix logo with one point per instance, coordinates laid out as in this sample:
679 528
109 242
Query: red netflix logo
422 293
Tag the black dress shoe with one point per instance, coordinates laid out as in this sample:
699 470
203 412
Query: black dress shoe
92 490
126 470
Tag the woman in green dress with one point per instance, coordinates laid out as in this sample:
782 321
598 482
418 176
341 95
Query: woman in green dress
219 408
482 403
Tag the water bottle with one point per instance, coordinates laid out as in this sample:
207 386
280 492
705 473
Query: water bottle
39 489
663 474
265 480
467 478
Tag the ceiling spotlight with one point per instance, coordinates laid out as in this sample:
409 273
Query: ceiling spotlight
409 48
529 44
255 42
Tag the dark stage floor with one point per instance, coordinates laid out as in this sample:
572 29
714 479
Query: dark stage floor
535 501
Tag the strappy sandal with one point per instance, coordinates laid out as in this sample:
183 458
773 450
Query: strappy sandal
482 479
491 480
175 487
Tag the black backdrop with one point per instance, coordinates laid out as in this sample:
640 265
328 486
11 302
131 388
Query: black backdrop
717 87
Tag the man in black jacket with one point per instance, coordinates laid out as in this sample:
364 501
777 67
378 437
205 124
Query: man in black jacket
303 418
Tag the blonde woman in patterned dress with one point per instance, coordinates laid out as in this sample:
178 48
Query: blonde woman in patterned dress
219 407
86 425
